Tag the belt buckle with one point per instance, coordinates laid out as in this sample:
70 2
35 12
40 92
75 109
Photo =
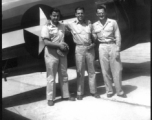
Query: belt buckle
86 44
111 42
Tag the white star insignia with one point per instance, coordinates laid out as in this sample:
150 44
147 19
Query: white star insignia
37 29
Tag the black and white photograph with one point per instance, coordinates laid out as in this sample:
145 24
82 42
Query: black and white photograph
76 59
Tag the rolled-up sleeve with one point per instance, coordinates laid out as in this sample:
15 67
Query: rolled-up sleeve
93 32
117 34
67 26
44 32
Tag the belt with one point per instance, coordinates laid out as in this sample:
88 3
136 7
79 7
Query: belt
111 42
83 44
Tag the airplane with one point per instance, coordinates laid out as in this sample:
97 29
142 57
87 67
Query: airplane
22 47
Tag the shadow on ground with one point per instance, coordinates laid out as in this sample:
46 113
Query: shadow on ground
8 115
130 70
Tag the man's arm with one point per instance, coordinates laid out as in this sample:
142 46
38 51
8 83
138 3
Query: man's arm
117 35
60 46
94 41
94 38
94 35
47 41
91 35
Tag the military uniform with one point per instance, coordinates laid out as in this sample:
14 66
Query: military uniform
54 62
109 39
81 36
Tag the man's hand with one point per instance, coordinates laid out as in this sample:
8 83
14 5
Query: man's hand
117 55
64 46
63 49
118 49
91 46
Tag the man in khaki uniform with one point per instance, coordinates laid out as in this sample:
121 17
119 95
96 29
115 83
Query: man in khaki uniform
106 31
55 59
84 52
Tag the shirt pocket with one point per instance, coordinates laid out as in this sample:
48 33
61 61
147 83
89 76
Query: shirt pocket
76 32
84 31
109 28
53 33
98 32
88 30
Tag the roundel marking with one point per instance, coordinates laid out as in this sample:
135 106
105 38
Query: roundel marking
32 22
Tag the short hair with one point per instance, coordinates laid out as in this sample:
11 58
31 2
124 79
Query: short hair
101 7
55 10
79 8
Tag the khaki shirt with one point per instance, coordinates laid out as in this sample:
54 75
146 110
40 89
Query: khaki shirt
54 33
107 32
81 32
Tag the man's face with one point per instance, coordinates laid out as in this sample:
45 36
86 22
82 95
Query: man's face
101 14
80 15
55 17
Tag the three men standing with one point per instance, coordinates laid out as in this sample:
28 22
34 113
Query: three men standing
106 31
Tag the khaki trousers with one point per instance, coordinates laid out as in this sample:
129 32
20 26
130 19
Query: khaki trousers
111 67
85 57
55 63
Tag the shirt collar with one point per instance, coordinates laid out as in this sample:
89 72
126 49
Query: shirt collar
52 25
108 21
77 22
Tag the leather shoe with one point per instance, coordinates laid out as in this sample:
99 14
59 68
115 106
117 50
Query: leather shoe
50 103
109 95
123 96
95 95
70 99
79 97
